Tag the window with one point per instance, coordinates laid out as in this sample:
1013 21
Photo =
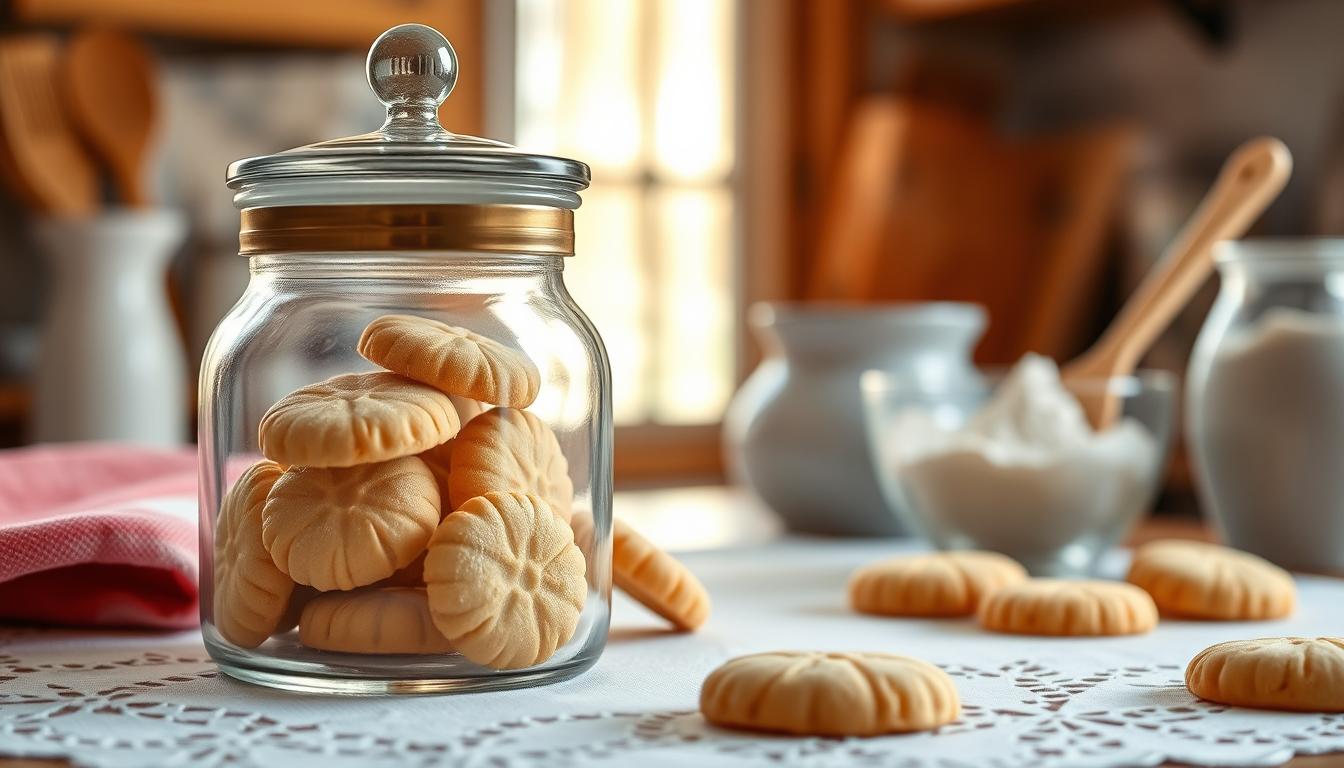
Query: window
642 90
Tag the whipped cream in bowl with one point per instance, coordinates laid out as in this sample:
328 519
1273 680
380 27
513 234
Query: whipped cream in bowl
1008 461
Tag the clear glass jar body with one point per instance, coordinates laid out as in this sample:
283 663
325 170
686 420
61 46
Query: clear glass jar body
298 323
1264 412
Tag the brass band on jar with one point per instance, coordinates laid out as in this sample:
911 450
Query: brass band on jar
530 229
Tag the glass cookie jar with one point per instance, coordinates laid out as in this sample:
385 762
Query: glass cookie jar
405 422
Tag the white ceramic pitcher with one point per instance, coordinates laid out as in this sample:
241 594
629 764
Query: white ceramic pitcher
110 363
795 432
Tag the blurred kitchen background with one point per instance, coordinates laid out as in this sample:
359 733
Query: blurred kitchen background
1033 156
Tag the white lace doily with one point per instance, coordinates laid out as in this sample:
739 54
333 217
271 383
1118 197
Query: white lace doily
136 700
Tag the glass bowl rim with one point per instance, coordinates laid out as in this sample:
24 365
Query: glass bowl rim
877 383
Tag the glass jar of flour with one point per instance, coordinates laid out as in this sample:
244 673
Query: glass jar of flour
1265 401
405 422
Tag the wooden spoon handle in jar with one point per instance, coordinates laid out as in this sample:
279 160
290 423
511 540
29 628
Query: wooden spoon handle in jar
1249 181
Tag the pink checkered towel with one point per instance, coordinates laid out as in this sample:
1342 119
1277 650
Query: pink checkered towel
98 534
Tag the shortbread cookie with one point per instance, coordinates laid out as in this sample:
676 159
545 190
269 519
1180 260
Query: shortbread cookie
251 593
829 694
1205 581
297 600
656 579
1297 673
439 461
412 575
505 449
506 583
451 359
345 528
1069 608
940 584
356 418
467 409
585 530
379 620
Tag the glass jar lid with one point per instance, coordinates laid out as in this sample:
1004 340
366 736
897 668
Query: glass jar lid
411 68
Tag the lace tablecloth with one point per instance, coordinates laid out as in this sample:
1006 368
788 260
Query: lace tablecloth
136 700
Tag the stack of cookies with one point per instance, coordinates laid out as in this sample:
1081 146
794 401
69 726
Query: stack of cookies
414 510
421 510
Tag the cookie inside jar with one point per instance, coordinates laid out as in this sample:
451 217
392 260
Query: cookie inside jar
414 510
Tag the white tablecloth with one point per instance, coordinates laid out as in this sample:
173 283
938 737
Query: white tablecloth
135 700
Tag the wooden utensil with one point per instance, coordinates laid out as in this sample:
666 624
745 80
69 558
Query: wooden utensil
43 159
1249 181
109 88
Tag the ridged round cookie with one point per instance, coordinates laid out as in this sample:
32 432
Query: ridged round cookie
829 694
506 583
454 360
1295 673
656 579
1069 608
1205 581
378 620
939 584
349 527
439 461
356 418
505 449
250 592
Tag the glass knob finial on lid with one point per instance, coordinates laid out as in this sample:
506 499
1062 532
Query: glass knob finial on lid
411 69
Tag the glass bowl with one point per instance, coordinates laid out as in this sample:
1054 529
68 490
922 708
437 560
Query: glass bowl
1055 504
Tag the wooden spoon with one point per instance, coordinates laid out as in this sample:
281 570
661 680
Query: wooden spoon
42 158
1249 181
110 93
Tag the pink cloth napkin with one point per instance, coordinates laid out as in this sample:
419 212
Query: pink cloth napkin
98 535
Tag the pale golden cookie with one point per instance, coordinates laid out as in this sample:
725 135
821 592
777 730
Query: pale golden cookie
585 531
378 620
939 584
1297 673
656 579
467 409
505 449
1205 581
451 359
506 583
439 461
829 694
412 575
345 528
356 418
1068 608
251 593
297 600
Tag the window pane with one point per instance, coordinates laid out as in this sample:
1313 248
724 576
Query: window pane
695 347
694 94
609 282
579 88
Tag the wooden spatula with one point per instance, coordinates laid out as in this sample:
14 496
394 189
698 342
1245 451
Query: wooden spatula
1250 180
43 159
109 88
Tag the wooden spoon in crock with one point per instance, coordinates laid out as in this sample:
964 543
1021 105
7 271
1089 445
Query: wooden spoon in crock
1249 181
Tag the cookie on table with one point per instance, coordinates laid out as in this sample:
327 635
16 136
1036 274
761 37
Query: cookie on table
505 449
939 584
1192 579
1068 608
506 582
829 694
250 593
341 528
356 418
377 620
656 580
451 359
1294 673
